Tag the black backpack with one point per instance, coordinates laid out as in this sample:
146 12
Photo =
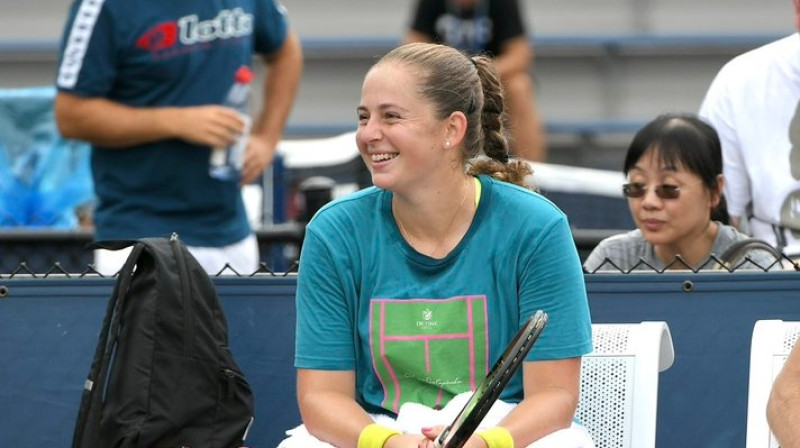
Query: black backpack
162 374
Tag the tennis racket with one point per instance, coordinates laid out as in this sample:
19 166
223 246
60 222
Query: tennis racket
465 423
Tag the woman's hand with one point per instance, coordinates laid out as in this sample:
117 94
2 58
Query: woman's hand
432 433
212 125
405 441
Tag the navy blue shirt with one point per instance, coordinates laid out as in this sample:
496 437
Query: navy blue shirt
152 53
481 29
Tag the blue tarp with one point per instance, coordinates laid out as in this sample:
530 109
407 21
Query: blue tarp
43 177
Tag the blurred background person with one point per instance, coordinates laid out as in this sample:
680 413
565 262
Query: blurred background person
144 83
494 28
754 104
674 172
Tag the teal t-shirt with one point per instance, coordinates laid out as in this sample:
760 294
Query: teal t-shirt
418 329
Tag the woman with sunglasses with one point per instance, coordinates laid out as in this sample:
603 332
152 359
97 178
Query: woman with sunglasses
674 189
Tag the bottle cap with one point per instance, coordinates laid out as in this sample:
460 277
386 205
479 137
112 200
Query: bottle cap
243 75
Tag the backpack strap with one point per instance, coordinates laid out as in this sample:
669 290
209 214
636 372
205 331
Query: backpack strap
87 424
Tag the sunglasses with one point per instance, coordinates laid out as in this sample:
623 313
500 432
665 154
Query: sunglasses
664 191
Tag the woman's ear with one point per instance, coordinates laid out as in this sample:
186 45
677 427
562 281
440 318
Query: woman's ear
456 128
716 194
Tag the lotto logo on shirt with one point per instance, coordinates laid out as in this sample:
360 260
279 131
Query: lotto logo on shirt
190 30
160 37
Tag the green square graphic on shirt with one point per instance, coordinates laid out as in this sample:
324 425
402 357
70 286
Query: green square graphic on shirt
428 350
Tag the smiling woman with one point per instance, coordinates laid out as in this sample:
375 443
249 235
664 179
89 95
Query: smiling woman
674 191
408 291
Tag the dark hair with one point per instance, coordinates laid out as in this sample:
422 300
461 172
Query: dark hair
453 81
686 140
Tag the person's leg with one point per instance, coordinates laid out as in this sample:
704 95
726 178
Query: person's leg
109 262
527 131
242 256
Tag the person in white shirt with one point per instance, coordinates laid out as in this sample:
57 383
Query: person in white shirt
754 104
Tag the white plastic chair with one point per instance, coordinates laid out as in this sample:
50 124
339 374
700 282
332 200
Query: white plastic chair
772 341
619 383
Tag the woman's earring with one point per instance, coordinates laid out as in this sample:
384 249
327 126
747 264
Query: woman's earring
447 144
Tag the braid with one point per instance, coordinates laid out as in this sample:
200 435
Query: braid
493 117
492 130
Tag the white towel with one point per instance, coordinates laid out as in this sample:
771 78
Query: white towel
414 416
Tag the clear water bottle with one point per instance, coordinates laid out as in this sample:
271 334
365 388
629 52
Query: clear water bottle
226 163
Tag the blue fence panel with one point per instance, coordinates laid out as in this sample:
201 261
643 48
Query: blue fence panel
48 331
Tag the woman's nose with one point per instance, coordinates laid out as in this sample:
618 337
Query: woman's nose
651 199
369 131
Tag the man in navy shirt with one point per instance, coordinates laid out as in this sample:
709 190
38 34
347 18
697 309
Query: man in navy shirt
492 27
143 81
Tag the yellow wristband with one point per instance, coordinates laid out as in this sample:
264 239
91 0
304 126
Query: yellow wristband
497 437
375 436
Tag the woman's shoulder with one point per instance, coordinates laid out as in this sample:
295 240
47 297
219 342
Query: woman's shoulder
771 54
617 249
520 197
623 240
731 233
728 235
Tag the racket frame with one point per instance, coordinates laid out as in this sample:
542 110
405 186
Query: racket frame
488 391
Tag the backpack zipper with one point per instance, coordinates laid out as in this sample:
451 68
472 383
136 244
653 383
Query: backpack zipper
183 275
231 376
235 380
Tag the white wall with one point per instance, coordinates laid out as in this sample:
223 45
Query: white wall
43 19
579 84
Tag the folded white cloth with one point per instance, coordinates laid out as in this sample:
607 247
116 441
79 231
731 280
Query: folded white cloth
414 416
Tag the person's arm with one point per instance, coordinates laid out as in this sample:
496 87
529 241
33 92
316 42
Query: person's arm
330 413
552 389
328 408
284 68
783 408
716 110
106 123
515 57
